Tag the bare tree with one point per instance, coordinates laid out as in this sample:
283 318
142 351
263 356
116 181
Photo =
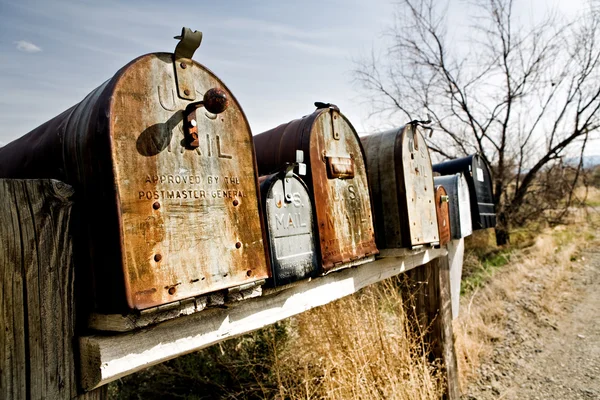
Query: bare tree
522 95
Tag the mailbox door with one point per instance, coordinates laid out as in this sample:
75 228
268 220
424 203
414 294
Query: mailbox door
341 191
482 185
450 183
413 171
290 229
464 207
190 217
443 216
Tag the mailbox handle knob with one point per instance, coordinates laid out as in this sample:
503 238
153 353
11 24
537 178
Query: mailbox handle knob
215 101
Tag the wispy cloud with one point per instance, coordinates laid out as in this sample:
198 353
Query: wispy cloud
27 47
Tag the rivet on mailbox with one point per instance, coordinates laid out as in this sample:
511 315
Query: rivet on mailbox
336 180
459 206
402 186
479 179
167 189
443 217
288 211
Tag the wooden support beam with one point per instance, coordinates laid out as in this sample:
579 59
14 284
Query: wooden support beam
106 358
456 255
37 316
429 292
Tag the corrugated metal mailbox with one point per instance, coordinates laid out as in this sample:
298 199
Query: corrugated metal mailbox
479 179
161 157
459 204
401 181
336 179
443 215
289 219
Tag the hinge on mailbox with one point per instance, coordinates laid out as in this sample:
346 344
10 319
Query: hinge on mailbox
188 43
423 124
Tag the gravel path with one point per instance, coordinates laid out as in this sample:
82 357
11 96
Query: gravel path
549 359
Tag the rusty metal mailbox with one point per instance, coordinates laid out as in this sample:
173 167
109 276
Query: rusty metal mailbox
459 205
443 214
401 181
288 213
161 157
336 179
479 179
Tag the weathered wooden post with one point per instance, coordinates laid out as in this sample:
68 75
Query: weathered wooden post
430 290
37 320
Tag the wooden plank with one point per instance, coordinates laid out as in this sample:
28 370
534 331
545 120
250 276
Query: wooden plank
106 358
456 254
429 289
36 292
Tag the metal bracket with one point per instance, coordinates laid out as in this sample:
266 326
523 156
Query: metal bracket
320 104
288 173
184 51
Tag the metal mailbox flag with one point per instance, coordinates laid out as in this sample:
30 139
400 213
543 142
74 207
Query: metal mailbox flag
161 157
401 182
336 179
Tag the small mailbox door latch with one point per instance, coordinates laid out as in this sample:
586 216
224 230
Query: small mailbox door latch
288 173
340 167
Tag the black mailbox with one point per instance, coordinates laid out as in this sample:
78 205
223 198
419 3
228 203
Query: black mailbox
288 212
479 179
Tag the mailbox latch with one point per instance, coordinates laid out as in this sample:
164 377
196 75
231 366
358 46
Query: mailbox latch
215 101
188 43
288 175
340 167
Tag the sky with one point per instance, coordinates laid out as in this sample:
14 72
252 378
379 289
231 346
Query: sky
277 57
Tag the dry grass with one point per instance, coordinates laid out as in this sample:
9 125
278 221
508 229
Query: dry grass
543 271
360 347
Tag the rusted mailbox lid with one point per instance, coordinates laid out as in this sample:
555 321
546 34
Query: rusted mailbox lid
289 222
459 205
401 182
443 217
168 217
479 179
336 179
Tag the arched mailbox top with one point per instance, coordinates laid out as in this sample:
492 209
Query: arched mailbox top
167 184
336 178
479 179
401 181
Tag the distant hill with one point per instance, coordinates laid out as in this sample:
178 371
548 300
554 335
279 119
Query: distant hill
588 161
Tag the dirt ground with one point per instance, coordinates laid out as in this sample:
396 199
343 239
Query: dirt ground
541 357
